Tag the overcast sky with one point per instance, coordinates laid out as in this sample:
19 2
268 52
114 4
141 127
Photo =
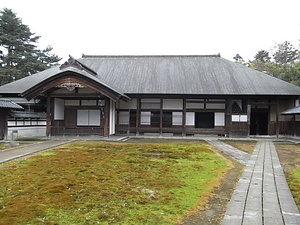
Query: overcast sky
160 27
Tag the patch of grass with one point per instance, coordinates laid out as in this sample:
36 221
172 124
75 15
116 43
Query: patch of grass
246 146
110 183
289 155
7 145
3 146
294 183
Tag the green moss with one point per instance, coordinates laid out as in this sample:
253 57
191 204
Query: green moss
294 183
2 146
110 183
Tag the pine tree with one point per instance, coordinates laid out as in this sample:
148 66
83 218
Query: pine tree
19 55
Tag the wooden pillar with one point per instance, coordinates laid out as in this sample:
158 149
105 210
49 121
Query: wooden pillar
277 118
48 119
106 118
184 117
228 117
294 126
138 115
248 118
161 117
117 120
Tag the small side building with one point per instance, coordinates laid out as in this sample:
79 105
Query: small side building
293 116
6 106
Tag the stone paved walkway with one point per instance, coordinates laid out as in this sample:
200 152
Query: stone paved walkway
24 150
236 154
262 196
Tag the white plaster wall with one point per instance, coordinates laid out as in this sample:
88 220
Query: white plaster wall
215 105
15 132
59 109
69 102
190 119
219 119
194 105
173 104
89 102
128 105
145 118
176 118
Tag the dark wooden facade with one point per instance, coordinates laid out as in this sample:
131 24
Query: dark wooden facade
3 123
240 116
69 124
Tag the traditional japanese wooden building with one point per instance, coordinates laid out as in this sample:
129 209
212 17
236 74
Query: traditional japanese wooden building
174 95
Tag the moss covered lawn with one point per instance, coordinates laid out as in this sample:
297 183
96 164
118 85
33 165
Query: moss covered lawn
110 183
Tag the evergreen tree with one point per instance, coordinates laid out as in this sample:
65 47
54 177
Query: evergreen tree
262 56
285 53
19 55
239 59
283 64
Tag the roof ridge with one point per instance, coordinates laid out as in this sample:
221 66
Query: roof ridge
147 56
75 63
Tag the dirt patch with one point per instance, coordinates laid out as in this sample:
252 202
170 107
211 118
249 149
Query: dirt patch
246 146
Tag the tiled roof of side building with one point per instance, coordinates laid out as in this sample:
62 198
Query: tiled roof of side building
6 103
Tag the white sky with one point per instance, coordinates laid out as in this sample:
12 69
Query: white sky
160 27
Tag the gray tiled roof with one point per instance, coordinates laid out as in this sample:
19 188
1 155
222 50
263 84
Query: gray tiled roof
201 75
18 114
6 103
22 85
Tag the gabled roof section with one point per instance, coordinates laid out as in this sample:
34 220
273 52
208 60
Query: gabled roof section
6 103
191 74
31 86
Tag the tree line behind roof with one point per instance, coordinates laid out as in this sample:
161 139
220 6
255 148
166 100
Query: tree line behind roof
283 62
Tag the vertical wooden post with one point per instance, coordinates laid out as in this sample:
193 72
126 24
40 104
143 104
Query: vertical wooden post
277 118
228 117
161 116
106 117
48 119
248 118
294 126
138 115
184 117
